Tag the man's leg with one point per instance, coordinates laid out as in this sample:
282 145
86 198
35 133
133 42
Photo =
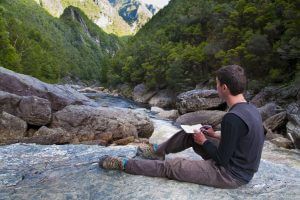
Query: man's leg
203 172
181 141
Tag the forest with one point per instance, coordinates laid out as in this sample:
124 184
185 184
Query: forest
35 43
181 46
188 40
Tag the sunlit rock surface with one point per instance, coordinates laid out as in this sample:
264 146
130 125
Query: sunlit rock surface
30 171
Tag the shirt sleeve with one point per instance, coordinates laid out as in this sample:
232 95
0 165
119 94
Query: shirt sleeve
232 128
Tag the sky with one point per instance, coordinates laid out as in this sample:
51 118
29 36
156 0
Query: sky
159 3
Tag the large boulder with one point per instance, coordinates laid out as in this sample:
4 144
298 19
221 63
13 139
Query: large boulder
23 85
269 110
32 109
163 99
47 136
281 95
12 128
195 100
293 126
142 94
275 124
283 142
210 117
35 110
89 123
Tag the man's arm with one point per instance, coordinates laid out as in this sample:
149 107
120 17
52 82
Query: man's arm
232 129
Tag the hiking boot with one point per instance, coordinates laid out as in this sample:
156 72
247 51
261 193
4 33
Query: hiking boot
148 151
109 162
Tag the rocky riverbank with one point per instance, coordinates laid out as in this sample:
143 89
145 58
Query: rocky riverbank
40 113
278 105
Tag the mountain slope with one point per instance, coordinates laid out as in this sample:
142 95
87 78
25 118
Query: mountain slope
188 40
49 48
121 17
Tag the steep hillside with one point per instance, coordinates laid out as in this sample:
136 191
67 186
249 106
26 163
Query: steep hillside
35 43
121 17
188 40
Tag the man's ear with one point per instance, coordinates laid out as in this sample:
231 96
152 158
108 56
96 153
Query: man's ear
224 87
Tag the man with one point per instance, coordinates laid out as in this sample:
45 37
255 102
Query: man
230 159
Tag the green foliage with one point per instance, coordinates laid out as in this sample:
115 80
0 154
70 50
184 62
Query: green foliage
188 40
35 43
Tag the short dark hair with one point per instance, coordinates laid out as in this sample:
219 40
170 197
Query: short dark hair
234 77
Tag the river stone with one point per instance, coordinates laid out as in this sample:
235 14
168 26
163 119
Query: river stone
88 90
11 127
9 102
35 110
283 142
32 109
33 172
142 94
210 117
47 136
293 126
281 95
169 114
275 122
87 123
24 85
268 110
195 100
163 99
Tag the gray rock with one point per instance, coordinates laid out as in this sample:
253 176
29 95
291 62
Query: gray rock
275 122
293 131
268 110
142 94
11 127
88 123
9 102
163 99
210 117
88 90
32 109
169 114
195 100
35 110
281 95
47 136
293 126
23 85
72 172
283 142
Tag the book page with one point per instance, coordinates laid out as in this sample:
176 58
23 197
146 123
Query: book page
191 128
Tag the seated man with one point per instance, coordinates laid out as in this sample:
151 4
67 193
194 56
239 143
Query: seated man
230 159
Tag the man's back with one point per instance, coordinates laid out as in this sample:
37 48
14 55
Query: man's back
246 158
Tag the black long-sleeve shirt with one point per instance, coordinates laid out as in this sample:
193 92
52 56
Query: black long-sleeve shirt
232 129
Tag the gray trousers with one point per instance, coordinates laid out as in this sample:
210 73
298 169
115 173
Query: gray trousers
204 172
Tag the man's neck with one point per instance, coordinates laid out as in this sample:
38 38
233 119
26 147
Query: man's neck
232 100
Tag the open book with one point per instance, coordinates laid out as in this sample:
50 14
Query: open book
191 128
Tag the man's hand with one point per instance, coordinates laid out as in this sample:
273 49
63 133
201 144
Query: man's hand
199 137
209 131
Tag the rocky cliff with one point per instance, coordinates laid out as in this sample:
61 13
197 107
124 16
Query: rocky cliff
122 17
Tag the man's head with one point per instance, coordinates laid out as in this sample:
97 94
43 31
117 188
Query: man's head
231 80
